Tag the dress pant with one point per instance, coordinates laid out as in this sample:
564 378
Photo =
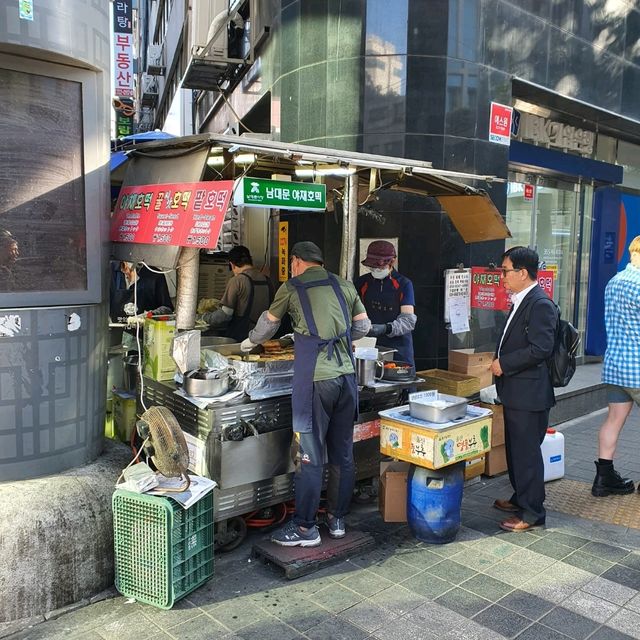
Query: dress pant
524 433
334 406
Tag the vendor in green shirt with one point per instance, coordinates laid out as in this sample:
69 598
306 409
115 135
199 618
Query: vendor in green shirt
326 315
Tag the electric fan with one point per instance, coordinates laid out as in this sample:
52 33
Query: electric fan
165 443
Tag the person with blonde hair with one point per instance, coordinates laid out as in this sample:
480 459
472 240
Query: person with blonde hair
621 370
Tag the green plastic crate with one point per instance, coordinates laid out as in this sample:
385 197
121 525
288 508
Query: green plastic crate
162 551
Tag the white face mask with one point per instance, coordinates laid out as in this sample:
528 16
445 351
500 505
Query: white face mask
380 274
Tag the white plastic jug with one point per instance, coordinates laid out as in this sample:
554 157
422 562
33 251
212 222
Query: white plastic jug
552 449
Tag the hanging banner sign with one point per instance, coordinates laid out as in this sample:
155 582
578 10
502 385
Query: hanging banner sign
123 48
500 123
276 194
186 214
283 251
487 291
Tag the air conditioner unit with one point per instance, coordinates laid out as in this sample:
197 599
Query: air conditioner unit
155 65
203 14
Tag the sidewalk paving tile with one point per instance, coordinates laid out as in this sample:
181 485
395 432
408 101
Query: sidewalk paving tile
634 603
463 602
587 562
605 551
394 569
451 571
551 548
487 587
365 582
238 613
201 628
606 633
181 611
627 622
427 585
336 598
367 616
332 629
404 629
475 559
526 604
540 632
590 606
503 621
570 623
623 575
397 599
610 591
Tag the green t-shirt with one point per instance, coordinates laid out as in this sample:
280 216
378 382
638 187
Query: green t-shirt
327 314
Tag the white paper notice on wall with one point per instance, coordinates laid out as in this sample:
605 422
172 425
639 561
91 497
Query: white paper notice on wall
457 284
459 317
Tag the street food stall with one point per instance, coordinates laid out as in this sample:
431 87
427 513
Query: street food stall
181 203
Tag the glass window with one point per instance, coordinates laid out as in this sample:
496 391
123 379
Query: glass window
42 203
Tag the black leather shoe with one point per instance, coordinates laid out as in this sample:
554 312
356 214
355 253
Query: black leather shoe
609 482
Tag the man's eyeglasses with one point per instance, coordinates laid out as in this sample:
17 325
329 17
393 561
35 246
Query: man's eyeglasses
505 271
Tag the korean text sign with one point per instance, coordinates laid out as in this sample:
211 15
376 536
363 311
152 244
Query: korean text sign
123 48
487 291
187 214
500 123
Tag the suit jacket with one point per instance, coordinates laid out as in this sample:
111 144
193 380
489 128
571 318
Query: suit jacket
525 383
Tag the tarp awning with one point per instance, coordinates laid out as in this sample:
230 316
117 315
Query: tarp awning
471 209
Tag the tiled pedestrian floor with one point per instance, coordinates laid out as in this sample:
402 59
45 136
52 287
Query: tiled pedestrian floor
570 496
575 579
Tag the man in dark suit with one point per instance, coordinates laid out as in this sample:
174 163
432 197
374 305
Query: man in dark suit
524 386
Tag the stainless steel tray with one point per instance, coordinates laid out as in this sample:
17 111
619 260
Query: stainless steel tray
421 405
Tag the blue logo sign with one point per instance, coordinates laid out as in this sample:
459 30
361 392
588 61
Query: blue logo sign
609 247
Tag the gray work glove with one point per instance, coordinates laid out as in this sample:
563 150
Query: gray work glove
378 330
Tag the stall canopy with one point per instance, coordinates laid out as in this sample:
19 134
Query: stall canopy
470 209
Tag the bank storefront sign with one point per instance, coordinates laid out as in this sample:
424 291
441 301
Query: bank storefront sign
551 133
280 194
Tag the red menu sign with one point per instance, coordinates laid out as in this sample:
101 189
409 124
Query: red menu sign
186 214
487 291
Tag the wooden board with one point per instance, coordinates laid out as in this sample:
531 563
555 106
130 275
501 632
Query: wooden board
300 561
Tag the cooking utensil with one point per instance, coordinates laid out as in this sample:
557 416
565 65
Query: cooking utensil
400 372
368 371
207 383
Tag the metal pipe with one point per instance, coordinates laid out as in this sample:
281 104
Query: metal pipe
187 298
352 220
344 244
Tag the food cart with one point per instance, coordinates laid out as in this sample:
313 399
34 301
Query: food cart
157 223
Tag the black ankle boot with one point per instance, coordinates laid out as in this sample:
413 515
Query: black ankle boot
608 481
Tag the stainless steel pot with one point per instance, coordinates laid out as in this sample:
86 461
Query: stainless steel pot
367 370
206 383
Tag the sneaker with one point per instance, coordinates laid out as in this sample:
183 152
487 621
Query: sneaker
292 536
337 527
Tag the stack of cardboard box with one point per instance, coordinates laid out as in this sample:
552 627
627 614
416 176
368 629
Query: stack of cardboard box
471 363
496 460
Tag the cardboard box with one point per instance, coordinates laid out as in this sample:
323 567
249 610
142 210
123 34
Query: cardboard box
434 445
496 461
480 371
393 490
449 382
497 427
158 336
466 359
124 415
474 467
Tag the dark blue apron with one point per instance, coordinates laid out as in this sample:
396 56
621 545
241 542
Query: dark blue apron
240 325
306 349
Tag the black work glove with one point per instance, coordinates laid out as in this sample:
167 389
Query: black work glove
378 330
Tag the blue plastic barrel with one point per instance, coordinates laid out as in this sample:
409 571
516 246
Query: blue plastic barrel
434 499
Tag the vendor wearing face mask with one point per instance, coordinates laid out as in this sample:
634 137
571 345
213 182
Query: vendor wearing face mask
389 301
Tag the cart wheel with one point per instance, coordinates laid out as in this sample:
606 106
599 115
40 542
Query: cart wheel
236 533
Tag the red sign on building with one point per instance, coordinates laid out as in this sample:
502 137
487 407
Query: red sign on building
528 192
487 291
186 214
500 123
545 280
